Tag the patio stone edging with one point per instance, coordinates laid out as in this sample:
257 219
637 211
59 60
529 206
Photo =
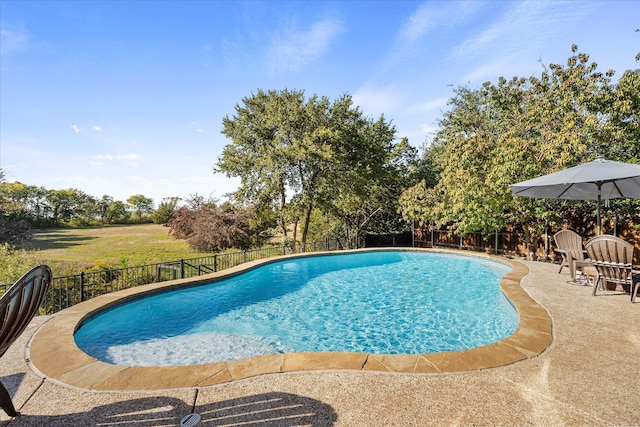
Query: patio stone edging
52 352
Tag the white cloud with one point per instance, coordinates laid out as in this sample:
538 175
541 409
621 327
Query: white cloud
428 129
431 15
487 71
293 50
14 40
121 187
428 106
376 102
97 128
131 160
535 22
99 160
194 125
419 23
75 129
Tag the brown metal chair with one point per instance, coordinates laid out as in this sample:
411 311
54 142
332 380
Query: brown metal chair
569 246
613 258
17 307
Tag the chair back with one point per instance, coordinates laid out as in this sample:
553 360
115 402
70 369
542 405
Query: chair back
20 303
571 242
612 257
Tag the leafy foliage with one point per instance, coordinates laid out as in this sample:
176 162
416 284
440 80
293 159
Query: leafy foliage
298 155
209 228
143 206
518 129
14 232
15 262
165 211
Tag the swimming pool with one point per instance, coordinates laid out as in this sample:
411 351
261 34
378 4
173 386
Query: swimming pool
382 302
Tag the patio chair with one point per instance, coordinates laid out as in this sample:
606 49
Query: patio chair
18 305
569 246
613 258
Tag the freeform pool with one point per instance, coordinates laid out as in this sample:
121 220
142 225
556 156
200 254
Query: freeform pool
382 302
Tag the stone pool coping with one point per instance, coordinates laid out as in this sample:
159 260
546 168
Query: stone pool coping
52 352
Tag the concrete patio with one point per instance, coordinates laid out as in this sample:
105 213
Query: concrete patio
588 376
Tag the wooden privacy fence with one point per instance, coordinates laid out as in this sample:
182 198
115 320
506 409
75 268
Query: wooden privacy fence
505 242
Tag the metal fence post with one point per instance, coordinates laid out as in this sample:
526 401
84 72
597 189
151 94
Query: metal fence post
496 242
181 268
215 263
413 233
81 286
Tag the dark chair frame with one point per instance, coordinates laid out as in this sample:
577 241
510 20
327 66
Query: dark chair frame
18 306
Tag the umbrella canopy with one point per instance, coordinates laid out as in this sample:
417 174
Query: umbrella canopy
589 181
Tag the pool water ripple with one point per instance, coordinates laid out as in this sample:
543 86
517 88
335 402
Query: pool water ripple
376 302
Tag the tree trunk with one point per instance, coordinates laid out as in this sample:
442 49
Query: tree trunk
531 244
346 231
283 222
295 235
305 227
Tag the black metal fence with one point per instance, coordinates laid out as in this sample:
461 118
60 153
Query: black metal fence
388 240
66 291
502 242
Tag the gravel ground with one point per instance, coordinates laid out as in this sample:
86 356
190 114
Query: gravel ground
588 377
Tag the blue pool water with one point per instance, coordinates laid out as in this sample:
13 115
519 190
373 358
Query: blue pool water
383 302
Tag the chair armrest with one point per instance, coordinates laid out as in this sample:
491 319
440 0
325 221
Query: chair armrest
569 254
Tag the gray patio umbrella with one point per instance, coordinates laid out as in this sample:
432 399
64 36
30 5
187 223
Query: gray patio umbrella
596 180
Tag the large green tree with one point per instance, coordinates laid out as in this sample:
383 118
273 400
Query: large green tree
507 132
165 210
297 153
142 206
71 205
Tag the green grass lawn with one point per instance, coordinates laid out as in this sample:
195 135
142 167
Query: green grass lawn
68 250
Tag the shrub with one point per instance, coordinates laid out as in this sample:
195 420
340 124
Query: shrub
212 229
14 263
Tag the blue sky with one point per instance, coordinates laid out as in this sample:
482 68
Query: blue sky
127 97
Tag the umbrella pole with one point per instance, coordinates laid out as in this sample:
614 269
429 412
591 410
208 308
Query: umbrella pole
599 196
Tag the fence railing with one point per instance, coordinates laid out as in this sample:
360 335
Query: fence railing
501 242
66 291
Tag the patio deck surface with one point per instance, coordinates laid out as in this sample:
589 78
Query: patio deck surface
588 376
